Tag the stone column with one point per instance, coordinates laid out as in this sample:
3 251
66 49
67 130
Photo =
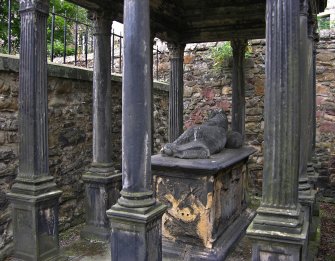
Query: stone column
102 183
136 218
305 103
311 174
238 84
312 92
279 230
176 91
152 91
313 38
34 195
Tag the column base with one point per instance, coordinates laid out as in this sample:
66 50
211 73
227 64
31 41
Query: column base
136 233
35 218
102 189
312 175
277 240
304 186
308 201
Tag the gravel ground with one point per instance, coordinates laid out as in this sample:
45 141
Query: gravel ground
327 229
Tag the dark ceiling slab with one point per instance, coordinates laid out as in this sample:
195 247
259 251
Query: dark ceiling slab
191 21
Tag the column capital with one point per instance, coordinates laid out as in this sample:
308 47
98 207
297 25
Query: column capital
102 22
312 26
41 6
239 45
176 50
304 7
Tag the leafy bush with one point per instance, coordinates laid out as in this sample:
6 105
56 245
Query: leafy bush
223 52
15 26
59 49
61 7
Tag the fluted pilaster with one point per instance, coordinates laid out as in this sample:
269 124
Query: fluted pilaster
312 37
238 85
282 109
176 92
305 99
280 229
33 97
34 196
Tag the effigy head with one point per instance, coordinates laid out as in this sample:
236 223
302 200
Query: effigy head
218 118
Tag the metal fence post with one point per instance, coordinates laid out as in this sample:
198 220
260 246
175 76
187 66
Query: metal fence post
64 51
113 36
52 34
86 49
120 51
9 26
76 40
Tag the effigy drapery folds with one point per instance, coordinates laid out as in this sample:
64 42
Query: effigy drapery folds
201 177
202 141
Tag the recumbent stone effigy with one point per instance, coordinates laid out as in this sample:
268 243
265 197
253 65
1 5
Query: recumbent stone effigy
201 141
201 177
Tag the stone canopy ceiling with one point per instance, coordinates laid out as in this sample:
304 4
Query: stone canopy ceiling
190 21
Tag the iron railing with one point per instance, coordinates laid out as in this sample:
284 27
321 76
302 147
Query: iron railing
82 40
86 29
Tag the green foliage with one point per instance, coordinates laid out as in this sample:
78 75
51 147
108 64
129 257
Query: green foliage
15 24
61 8
222 53
325 23
59 49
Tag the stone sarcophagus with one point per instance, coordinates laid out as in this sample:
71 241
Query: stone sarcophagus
206 198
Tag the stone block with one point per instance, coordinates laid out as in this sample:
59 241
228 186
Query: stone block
136 234
101 192
35 226
206 199
263 251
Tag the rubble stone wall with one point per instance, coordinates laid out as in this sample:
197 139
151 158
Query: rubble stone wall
207 88
70 136
325 118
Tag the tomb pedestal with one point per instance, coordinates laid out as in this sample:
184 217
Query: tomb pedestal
102 189
206 198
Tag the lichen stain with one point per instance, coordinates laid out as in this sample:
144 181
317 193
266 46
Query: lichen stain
183 214
166 233
190 213
204 226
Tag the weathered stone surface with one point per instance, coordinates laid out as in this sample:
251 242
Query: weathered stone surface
205 197
202 141
70 136
206 89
